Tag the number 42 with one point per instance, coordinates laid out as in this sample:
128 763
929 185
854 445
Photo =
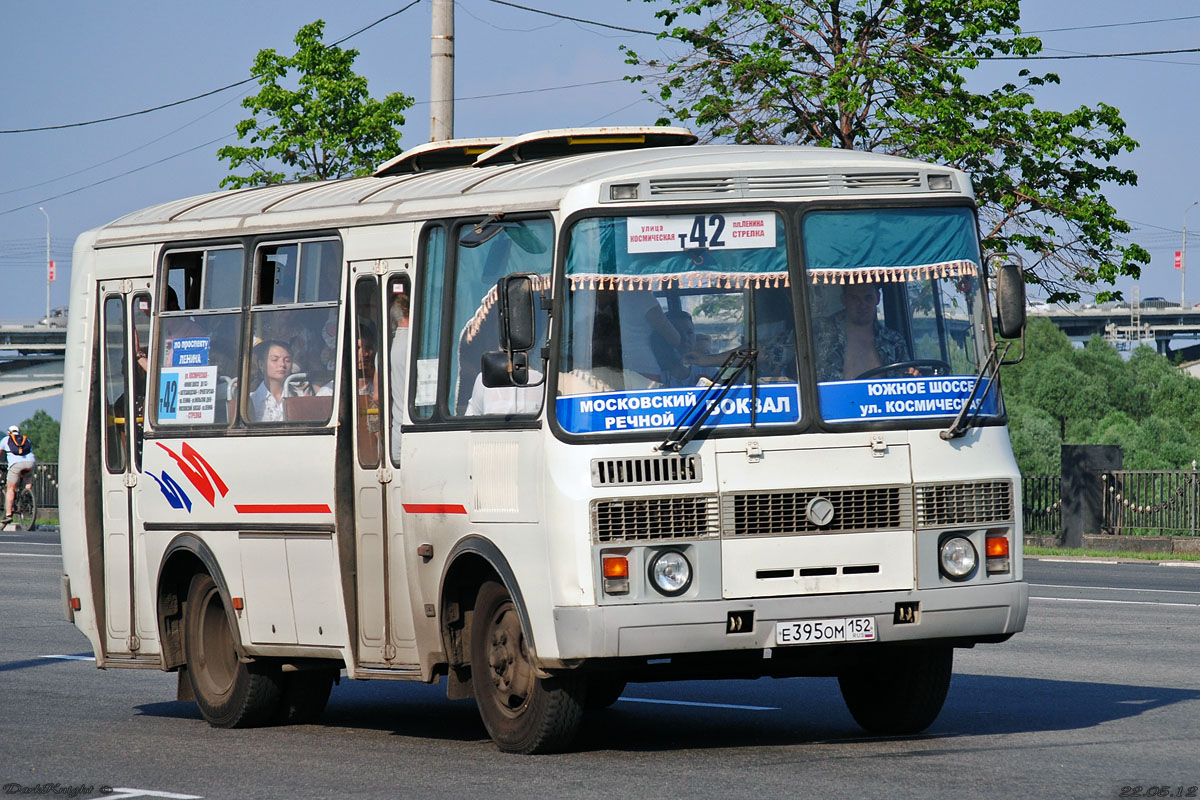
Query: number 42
700 236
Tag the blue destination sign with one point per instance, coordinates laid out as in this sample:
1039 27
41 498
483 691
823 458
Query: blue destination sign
658 409
189 352
903 398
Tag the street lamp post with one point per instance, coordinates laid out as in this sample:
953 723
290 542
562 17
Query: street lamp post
47 216
1183 258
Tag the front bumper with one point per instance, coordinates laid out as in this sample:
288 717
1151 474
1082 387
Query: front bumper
967 613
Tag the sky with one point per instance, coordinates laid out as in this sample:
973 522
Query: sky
69 61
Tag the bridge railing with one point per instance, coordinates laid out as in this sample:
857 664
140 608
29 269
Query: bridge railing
1041 501
45 485
1152 501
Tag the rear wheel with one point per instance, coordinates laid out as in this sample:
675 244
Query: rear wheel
25 509
901 691
230 693
522 712
305 694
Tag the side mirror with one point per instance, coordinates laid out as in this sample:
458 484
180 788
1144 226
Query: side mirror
499 370
1010 300
516 301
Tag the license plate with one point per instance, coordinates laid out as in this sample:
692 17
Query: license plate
820 631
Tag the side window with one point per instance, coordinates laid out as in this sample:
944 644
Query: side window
199 337
520 246
294 324
429 336
116 404
399 296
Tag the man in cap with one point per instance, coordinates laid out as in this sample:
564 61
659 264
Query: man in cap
19 450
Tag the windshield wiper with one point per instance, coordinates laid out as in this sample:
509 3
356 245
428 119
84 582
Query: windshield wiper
961 423
730 370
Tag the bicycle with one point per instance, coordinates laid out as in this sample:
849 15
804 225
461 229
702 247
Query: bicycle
24 502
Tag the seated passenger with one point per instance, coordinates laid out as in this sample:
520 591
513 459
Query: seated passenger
275 363
506 399
852 342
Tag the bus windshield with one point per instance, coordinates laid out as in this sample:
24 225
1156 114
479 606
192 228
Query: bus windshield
899 324
655 304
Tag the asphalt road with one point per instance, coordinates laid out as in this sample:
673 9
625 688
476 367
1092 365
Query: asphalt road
1101 693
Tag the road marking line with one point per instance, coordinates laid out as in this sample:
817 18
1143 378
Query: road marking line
693 703
129 793
71 658
1116 602
33 555
1052 560
1112 588
1179 563
30 544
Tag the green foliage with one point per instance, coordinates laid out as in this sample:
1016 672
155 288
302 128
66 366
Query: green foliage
327 127
890 76
1060 394
43 430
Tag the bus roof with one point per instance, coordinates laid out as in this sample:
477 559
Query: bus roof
661 174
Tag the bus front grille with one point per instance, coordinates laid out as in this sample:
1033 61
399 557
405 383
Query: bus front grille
776 513
945 504
638 519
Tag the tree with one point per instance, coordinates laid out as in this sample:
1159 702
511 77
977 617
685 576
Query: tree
891 76
43 430
328 127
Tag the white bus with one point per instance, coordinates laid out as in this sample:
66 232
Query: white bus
663 411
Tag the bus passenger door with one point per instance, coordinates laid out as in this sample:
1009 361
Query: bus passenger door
386 637
125 342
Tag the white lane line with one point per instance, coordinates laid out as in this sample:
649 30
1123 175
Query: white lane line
1179 563
1111 588
127 793
1114 602
70 658
1052 560
32 555
30 544
692 703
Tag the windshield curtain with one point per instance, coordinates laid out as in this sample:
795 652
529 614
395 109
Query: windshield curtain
653 307
899 322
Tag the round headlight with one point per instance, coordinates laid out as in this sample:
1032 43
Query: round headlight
670 572
958 558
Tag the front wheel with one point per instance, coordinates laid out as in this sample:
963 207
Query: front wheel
522 712
901 691
25 509
229 692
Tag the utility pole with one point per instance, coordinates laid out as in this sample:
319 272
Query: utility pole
47 216
441 73
1183 260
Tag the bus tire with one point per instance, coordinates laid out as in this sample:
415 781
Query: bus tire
304 696
522 712
230 693
901 690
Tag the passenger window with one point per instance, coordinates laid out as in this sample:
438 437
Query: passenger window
294 326
429 337
199 337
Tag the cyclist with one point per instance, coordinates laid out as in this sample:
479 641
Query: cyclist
19 450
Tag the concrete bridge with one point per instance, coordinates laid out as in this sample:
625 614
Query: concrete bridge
1129 326
31 362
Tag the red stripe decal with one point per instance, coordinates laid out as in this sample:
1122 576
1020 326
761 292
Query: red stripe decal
283 508
433 508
